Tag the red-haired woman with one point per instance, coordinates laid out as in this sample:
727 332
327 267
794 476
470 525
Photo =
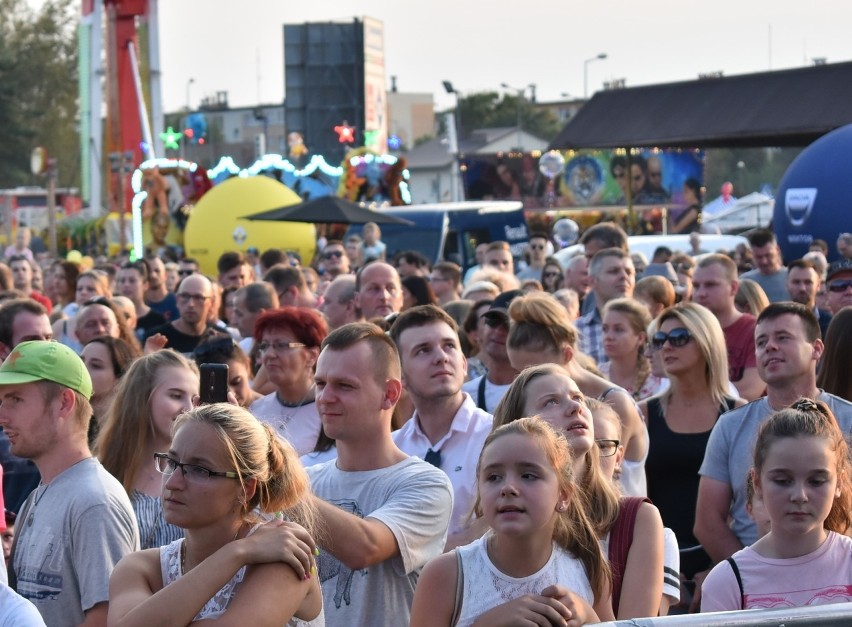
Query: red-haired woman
288 343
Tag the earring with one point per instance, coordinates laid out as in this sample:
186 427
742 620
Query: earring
560 508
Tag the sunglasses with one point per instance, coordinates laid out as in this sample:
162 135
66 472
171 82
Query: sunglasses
676 338
333 253
839 286
185 272
495 320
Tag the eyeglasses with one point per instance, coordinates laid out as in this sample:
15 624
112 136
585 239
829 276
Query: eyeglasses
278 347
433 457
185 297
223 346
193 472
333 253
495 320
839 286
607 448
676 337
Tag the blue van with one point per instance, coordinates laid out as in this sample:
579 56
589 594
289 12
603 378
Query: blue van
451 231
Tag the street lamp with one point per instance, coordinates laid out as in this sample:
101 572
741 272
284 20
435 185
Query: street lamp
188 84
601 56
448 87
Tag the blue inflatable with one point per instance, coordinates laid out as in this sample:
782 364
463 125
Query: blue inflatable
814 199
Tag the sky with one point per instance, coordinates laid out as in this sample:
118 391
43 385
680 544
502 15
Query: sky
477 45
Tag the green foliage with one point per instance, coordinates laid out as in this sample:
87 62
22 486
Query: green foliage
747 168
492 110
38 89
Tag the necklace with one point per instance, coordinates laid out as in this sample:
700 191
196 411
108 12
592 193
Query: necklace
38 497
286 416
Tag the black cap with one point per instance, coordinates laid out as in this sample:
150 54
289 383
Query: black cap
844 265
500 307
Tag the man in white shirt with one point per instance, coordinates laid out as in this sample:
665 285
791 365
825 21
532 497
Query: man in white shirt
447 429
492 331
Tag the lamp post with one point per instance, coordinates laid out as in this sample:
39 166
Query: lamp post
521 91
598 57
448 87
454 126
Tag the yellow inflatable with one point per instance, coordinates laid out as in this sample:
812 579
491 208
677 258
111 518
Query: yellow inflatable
215 225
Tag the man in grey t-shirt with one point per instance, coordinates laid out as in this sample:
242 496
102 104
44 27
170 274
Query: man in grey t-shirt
770 273
788 345
385 514
78 522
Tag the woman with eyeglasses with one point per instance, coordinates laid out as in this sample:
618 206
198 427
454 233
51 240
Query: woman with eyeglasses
692 347
155 390
225 474
288 341
224 350
552 275
549 392
540 333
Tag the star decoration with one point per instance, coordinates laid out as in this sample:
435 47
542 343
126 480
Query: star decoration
170 138
345 133
371 138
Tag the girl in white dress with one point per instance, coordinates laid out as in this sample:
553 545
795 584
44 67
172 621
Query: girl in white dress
541 561
224 470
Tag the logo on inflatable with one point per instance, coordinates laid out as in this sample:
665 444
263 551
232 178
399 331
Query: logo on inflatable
799 203
240 235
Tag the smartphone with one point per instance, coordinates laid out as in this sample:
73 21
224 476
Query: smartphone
214 383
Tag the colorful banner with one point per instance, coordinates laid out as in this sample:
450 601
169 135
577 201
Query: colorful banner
657 178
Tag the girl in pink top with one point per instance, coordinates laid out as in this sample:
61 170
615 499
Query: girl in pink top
802 473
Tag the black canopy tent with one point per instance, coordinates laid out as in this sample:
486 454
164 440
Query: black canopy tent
780 108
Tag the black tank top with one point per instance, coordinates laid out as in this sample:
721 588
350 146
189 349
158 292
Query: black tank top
672 471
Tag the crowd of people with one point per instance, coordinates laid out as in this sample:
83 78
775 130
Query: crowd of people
525 442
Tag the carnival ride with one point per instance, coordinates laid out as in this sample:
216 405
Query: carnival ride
147 183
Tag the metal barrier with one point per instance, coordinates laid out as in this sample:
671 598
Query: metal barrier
835 615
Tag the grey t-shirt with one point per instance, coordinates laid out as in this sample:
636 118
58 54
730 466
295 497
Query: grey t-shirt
82 524
414 499
775 285
730 453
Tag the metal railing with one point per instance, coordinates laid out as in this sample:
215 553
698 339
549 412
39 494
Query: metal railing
835 615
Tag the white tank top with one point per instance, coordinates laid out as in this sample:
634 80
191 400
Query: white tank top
486 587
215 607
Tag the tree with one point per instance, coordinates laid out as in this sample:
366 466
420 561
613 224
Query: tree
38 89
492 110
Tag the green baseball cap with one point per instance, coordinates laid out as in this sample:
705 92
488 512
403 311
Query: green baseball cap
46 361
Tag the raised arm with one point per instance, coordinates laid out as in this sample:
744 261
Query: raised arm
137 595
356 542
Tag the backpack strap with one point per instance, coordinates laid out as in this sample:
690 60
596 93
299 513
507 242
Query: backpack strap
620 540
480 393
608 391
457 606
736 570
